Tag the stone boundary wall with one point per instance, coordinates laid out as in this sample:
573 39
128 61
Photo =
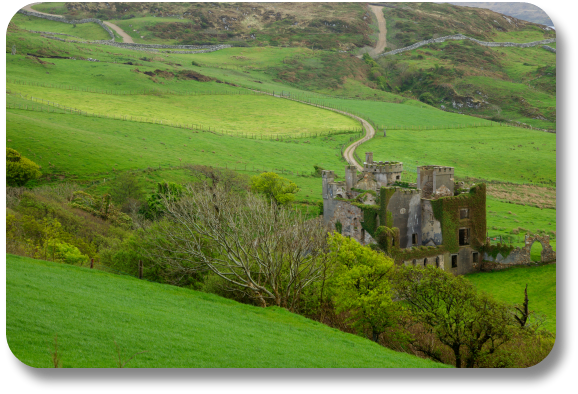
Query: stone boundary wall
52 33
549 48
125 45
71 22
209 48
462 37
521 256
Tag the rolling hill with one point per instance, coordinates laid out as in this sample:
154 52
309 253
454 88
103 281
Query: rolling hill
88 311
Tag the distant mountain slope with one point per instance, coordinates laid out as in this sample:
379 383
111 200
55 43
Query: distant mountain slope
319 25
525 11
408 23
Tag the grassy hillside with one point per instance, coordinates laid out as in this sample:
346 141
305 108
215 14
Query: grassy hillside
253 114
508 285
408 23
323 25
85 31
507 154
178 328
525 11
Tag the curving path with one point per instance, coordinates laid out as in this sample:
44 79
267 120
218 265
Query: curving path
381 40
125 37
350 150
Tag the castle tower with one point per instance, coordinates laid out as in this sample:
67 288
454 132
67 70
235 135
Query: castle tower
350 177
435 181
328 177
369 157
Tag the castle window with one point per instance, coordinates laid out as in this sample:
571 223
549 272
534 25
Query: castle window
414 262
424 262
464 213
475 257
398 177
438 262
414 239
454 261
464 236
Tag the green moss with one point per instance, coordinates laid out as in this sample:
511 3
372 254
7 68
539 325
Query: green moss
338 227
494 250
420 252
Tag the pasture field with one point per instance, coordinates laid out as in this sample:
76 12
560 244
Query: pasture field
508 285
57 8
178 328
506 154
85 31
81 146
512 221
140 25
253 114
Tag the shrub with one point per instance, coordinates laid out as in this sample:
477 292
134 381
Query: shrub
19 169
427 98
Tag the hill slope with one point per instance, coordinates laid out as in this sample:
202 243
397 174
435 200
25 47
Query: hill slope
89 310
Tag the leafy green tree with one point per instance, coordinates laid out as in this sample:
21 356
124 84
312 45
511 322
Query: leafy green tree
362 286
472 325
19 169
275 187
126 187
154 207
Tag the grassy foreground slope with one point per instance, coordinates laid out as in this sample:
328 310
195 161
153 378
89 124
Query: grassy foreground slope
509 286
89 310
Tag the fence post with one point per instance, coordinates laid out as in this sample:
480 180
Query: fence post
91 263
140 269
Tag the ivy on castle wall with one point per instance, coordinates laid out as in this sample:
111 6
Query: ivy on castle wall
494 250
385 195
447 211
388 239
419 252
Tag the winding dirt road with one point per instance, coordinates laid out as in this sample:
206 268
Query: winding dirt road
125 37
381 40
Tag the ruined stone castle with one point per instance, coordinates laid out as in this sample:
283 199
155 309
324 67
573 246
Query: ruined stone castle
435 221
409 220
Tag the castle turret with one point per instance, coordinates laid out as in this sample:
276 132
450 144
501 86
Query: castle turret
436 181
328 177
350 177
369 157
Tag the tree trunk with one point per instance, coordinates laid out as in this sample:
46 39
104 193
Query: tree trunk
456 350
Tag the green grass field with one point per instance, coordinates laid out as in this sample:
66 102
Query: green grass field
253 114
508 285
51 8
178 328
508 154
85 145
85 31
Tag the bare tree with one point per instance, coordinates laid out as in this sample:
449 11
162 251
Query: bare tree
269 253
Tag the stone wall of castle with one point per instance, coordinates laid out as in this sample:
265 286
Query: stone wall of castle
521 256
